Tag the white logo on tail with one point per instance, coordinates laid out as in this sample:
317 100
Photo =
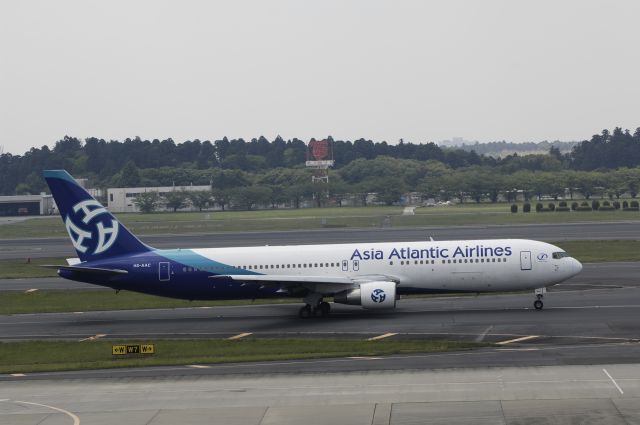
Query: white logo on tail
106 235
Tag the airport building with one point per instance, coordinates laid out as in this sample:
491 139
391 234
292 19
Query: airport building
27 205
121 199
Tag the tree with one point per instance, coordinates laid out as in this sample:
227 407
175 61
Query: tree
221 196
176 199
200 198
147 202
247 197
129 176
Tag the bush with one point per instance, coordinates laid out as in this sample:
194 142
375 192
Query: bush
606 204
574 206
562 204
514 208
595 205
584 208
625 204
633 204
539 207
606 208
631 209
563 209
526 207
616 205
551 206
543 210
584 204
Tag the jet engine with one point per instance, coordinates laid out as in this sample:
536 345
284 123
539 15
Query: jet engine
370 295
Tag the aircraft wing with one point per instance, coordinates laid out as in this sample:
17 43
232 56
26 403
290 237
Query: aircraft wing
322 284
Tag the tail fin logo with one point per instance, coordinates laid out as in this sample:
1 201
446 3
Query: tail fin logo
89 210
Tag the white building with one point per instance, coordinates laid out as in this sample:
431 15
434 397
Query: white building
27 205
121 199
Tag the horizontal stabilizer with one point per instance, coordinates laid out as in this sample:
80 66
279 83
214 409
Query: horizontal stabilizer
92 270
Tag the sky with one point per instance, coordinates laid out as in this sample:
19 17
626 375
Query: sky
422 71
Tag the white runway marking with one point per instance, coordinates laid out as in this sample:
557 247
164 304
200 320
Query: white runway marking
387 335
93 338
524 338
480 337
28 291
613 380
242 335
76 420
364 358
199 366
17 375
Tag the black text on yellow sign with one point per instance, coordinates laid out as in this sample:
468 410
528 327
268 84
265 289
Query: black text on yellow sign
123 350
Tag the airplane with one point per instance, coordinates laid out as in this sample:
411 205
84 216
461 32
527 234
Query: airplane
371 275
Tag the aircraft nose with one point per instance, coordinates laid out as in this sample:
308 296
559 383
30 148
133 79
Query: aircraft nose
577 266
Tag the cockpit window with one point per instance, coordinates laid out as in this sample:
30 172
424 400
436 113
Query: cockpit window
558 255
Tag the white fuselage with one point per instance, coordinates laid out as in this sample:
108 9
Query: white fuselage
477 266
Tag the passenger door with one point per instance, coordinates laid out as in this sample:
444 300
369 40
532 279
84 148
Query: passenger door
525 260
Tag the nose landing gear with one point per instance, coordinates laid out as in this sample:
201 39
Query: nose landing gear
538 304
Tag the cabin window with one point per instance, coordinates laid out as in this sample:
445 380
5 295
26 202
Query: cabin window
391 263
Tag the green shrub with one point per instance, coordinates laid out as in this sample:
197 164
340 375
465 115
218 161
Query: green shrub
616 205
526 207
606 208
514 208
595 205
631 209
563 209
562 204
625 204
574 206
551 206
584 208
539 207
634 204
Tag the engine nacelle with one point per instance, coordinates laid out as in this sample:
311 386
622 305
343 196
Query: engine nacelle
370 295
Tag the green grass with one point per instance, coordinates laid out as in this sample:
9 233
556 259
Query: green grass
38 356
598 251
23 268
317 218
58 301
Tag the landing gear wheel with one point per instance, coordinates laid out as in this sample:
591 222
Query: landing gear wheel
324 308
538 304
305 312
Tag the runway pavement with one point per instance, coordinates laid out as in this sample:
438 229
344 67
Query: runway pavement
61 247
602 394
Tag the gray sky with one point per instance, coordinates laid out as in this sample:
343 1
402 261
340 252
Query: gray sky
419 70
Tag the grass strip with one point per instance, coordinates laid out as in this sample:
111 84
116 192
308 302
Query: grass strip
39 356
28 267
602 251
318 218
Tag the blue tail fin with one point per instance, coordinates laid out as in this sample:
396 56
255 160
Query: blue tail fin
95 233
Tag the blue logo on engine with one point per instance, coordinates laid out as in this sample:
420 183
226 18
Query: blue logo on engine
378 296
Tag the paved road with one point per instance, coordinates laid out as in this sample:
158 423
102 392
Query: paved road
570 317
60 247
558 394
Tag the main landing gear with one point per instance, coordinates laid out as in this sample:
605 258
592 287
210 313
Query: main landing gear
538 304
314 307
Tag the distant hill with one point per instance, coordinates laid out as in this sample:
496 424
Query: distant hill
502 149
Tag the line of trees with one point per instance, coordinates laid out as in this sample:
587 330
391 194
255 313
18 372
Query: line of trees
263 172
